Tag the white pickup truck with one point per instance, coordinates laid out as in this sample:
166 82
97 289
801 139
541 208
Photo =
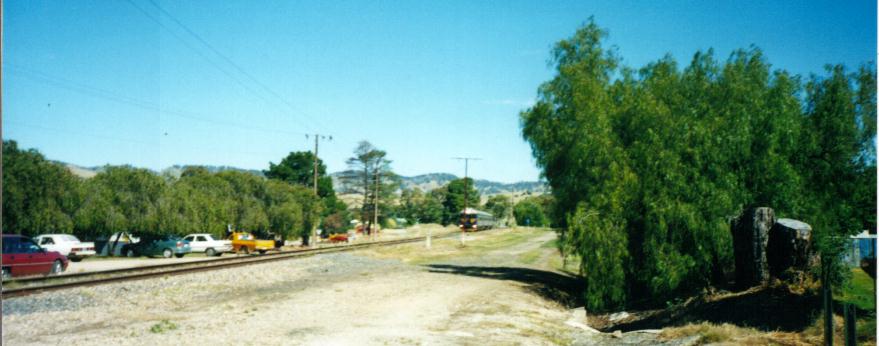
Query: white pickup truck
66 245
204 242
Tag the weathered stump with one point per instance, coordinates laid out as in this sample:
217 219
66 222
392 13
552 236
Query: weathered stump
790 246
750 237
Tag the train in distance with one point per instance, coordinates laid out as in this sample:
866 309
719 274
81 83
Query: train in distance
474 220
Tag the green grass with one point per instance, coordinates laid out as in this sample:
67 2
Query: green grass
859 291
530 257
552 244
163 326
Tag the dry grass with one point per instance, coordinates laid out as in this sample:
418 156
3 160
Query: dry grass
728 334
477 245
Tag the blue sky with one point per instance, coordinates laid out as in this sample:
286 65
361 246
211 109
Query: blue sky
98 82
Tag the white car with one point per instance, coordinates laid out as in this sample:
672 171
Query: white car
204 242
66 245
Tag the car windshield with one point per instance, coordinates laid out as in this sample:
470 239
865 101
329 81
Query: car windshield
69 238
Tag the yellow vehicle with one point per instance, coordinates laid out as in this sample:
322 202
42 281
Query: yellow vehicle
243 242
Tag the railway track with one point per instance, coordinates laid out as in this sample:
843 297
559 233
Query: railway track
28 286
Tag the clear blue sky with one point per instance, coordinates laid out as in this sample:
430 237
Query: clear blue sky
97 82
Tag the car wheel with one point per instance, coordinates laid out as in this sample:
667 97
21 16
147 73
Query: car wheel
75 259
245 250
210 252
167 253
6 274
179 255
262 252
130 253
56 268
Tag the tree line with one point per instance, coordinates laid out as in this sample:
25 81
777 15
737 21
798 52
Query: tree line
648 166
40 196
444 204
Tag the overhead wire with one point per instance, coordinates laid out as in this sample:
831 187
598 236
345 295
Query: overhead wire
147 105
232 63
205 57
78 133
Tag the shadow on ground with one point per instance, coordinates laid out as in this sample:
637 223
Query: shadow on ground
561 288
767 309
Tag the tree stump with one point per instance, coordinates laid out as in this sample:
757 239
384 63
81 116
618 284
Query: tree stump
790 246
750 238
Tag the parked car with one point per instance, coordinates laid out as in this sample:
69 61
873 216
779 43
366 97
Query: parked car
243 242
115 244
204 242
338 238
165 246
67 245
22 257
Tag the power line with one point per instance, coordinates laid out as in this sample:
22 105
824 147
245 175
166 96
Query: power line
78 133
214 64
119 139
143 104
230 62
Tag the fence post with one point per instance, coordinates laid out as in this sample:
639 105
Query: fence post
850 324
827 299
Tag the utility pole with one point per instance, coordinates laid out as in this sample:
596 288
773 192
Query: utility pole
466 188
375 206
317 137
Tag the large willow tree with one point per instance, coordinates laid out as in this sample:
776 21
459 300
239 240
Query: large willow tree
648 166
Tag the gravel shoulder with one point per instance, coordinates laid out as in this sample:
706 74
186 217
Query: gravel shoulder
392 296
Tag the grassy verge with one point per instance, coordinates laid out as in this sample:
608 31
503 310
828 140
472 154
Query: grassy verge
476 245
859 291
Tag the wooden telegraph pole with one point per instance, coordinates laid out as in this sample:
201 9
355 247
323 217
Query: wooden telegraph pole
375 205
317 137
466 188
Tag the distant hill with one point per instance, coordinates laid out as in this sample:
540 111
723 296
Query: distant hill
79 171
427 182
175 170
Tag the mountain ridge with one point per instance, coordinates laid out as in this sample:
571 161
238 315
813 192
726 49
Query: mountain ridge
426 182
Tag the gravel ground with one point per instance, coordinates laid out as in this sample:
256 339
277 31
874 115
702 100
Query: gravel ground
332 299
99 264
90 265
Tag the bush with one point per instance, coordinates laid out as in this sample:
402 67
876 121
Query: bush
529 213
602 267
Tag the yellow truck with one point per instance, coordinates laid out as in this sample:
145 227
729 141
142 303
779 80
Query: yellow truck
243 242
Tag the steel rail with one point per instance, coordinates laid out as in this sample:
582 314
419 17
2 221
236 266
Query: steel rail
137 273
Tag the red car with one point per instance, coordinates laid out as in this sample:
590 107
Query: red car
23 257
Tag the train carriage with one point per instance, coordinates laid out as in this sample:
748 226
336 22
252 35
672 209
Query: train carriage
474 220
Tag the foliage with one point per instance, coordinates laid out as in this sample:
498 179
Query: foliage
298 169
662 157
337 222
38 196
418 207
452 197
529 213
602 268
41 197
370 173
123 199
501 207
